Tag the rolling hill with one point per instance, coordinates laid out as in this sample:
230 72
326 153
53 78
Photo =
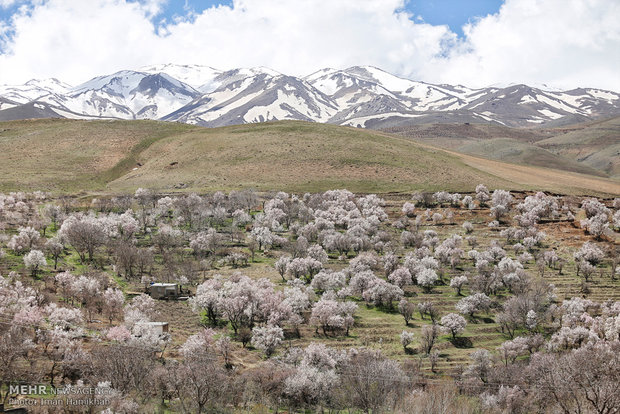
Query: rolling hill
68 156
595 144
516 152
62 155
589 147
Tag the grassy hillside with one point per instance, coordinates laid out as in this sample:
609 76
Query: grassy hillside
516 152
65 155
118 156
454 135
596 145
579 148
298 156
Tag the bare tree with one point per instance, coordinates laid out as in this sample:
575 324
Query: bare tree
372 382
579 381
406 309
201 382
14 347
125 367
54 248
127 257
84 234
428 337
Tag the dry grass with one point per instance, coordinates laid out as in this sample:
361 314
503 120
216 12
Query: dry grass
70 156
297 156
581 148
120 156
597 144
515 152
558 181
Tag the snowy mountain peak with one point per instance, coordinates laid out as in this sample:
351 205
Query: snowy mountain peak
319 73
32 90
363 96
50 84
383 78
241 73
127 94
194 75
151 85
119 83
262 69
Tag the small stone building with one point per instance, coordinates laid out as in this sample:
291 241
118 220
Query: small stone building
164 290
158 328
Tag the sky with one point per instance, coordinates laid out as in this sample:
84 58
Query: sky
559 43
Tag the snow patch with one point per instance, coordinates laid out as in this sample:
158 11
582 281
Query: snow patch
550 114
527 99
557 104
389 81
609 96
197 76
487 116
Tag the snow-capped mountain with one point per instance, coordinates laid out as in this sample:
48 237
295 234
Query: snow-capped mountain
361 96
6 103
258 98
199 76
32 90
130 95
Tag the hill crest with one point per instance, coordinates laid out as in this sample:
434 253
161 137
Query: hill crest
121 156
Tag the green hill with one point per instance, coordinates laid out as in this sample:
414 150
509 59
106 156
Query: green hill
513 151
589 147
120 156
596 144
298 156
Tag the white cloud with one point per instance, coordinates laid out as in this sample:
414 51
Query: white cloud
566 43
153 7
76 39
559 42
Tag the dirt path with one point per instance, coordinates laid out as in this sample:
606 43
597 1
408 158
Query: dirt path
559 181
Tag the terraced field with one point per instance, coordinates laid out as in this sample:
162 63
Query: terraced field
379 328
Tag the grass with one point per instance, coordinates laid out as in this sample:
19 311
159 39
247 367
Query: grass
513 151
294 156
72 156
536 178
589 147
595 145
92 157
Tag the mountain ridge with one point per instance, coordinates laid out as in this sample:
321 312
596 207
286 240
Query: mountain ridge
359 96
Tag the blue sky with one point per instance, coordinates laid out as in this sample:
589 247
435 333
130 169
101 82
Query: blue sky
454 13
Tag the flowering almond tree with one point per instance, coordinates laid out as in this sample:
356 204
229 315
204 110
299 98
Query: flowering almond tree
34 260
454 324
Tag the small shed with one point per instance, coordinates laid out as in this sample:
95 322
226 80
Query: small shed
158 328
164 290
